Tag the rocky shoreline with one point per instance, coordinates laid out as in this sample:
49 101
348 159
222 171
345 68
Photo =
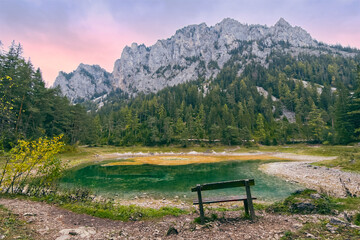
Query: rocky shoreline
52 222
333 182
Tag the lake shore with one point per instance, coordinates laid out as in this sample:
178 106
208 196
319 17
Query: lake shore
331 181
292 167
52 222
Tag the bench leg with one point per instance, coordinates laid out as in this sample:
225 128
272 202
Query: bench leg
246 206
249 200
201 208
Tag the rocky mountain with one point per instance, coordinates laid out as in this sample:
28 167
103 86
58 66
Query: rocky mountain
192 52
86 82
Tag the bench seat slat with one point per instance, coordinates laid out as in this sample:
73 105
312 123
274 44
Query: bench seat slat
222 185
222 199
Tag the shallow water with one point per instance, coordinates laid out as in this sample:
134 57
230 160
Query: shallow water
159 181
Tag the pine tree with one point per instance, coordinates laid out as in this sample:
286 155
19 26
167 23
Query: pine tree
343 128
316 123
354 108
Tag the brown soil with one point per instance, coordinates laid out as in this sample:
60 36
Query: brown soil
51 222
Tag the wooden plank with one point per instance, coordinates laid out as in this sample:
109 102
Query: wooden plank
221 185
249 200
246 207
222 199
201 209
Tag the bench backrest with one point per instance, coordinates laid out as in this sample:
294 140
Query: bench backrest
221 185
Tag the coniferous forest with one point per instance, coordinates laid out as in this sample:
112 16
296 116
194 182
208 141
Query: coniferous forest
306 98
28 110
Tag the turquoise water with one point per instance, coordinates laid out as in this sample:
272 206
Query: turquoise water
170 181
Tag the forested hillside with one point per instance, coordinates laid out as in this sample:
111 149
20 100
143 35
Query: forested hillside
289 99
28 110
304 98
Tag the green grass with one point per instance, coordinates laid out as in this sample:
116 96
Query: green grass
357 219
123 213
212 218
81 201
349 161
349 203
11 227
257 207
306 149
313 205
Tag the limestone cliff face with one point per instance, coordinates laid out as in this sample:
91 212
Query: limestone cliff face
192 52
85 83
199 50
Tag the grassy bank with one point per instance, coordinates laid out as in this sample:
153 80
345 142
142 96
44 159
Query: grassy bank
348 161
81 201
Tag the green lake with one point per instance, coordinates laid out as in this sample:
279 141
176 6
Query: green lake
159 181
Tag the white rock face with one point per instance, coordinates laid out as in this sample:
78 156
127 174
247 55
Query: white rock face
199 50
192 52
86 82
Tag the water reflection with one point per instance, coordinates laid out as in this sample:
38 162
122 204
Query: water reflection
170 181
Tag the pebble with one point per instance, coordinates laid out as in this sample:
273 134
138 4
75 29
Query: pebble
331 228
336 221
315 196
309 235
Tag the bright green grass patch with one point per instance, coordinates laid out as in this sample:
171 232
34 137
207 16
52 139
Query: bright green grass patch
123 213
257 207
306 149
349 161
81 201
11 227
357 219
349 203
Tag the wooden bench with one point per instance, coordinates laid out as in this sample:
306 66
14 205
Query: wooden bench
247 199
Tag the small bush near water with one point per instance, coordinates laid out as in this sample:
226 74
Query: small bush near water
305 202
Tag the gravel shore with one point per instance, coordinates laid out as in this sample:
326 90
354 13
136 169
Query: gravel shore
331 181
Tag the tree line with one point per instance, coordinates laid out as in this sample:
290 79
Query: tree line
29 110
309 98
230 109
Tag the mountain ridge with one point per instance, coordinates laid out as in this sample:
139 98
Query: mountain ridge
193 51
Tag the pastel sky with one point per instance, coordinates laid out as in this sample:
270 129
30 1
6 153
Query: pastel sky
57 35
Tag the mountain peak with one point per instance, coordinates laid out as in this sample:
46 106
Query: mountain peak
282 23
195 50
228 21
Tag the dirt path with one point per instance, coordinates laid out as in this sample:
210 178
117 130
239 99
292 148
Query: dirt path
52 222
327 180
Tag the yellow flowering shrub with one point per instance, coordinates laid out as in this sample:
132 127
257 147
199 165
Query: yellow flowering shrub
29 159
